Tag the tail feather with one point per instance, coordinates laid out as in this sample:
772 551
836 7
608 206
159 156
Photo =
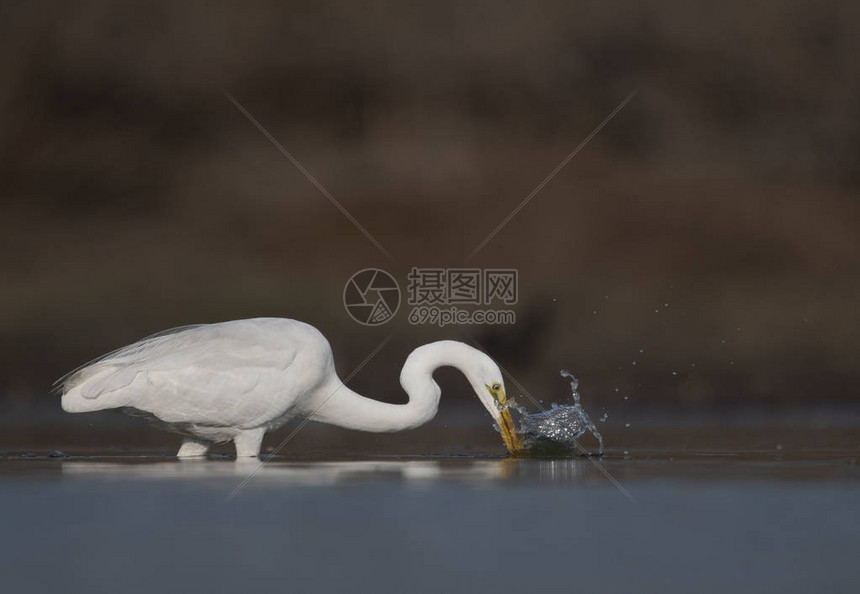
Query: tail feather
106 381
96 388
109 381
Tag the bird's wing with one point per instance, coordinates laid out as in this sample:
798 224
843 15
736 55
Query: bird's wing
218 391
218 374
148 348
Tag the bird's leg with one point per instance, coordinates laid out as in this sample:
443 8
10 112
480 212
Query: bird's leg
248 442
193 448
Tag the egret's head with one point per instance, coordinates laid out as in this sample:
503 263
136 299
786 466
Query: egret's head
490 388
506 423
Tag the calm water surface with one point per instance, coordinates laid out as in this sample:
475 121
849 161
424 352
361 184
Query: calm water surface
697 509
146 523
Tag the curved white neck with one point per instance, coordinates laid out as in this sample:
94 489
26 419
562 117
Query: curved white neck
338 405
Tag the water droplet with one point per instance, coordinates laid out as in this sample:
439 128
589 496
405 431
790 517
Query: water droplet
594 312
674 373
627 398
616 389
779 446
604 417
641 350
627 425
560 426
634 362
554 299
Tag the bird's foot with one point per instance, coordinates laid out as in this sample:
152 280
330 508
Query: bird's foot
193 448
248 442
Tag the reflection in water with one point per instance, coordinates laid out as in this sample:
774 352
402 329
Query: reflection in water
417 472
312 474
428 525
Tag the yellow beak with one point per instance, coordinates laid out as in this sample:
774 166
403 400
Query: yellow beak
507 427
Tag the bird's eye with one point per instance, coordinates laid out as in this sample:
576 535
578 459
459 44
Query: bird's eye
496 387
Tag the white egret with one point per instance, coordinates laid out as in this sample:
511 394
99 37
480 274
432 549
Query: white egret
237 380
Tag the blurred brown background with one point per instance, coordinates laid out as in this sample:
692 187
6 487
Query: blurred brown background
136 197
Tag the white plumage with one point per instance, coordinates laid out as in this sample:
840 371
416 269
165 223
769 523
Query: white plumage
237 380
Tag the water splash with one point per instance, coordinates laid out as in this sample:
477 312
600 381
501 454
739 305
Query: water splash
554 432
